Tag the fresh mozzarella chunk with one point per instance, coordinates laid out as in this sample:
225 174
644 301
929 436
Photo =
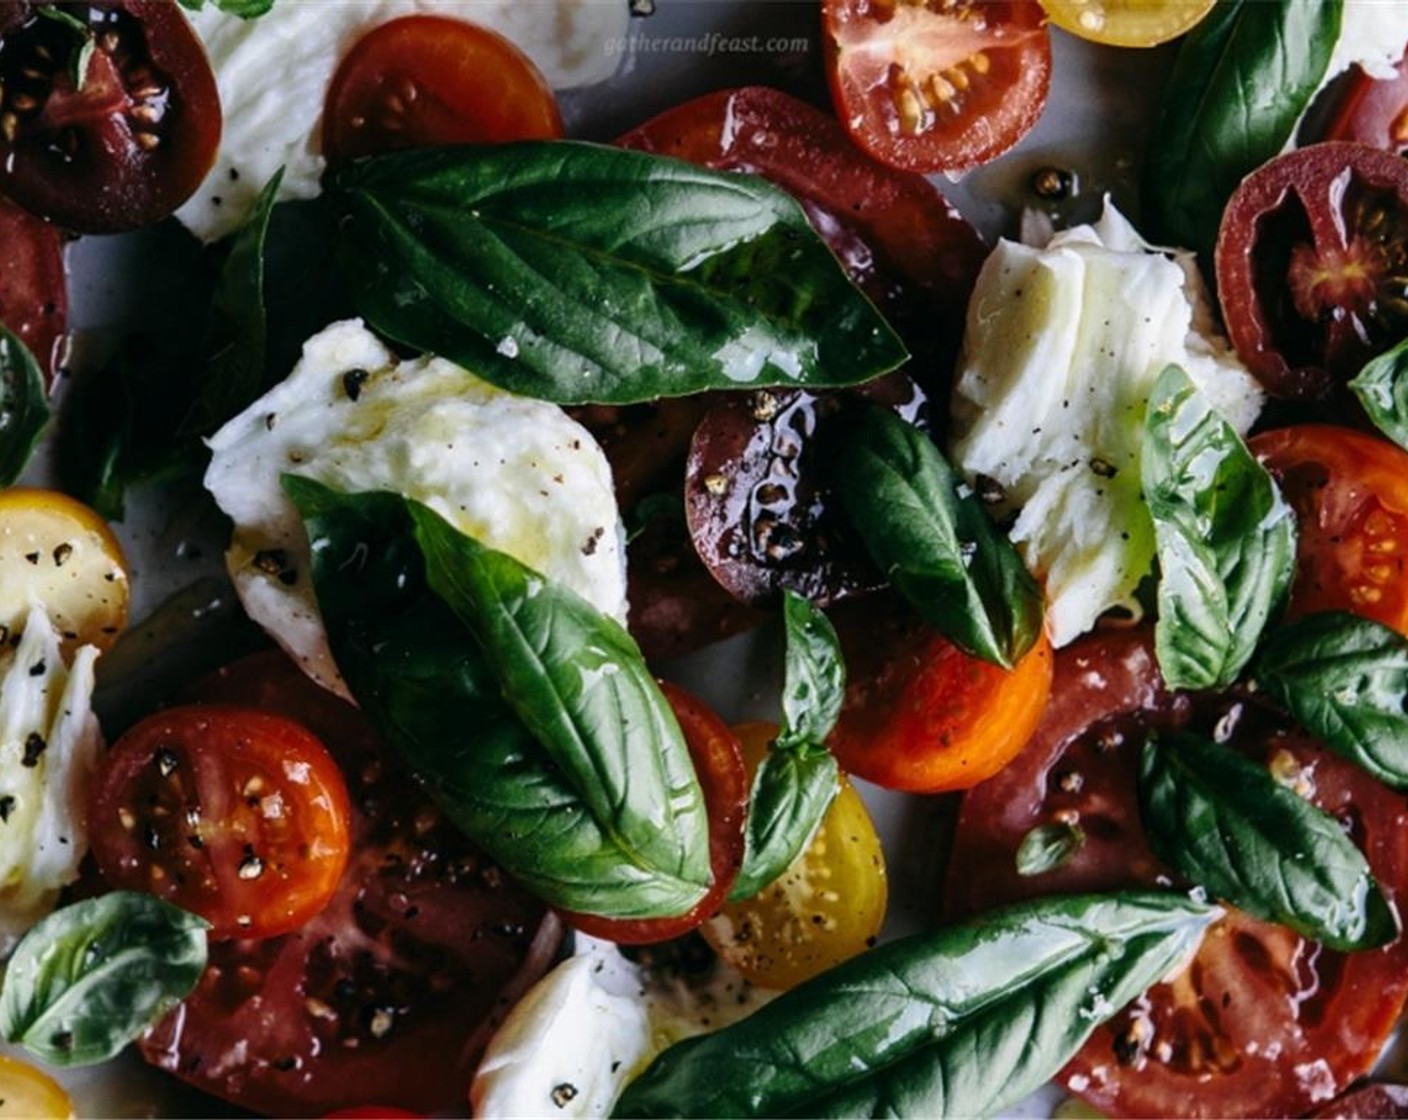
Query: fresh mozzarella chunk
517 474
49 743
273 74
1062 347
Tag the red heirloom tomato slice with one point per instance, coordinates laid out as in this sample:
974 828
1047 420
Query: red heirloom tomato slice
1262 1022
1312 265
1371 110
233 814
1373 1102
937 85
128 143
1350 494
33 294
391 992
718 761
422 81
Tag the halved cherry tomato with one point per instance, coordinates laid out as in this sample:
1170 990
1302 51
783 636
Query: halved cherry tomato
233 814
391 992
1127 23
27 1093
937 85
1350 494
825 908
33 294
1312 266
1262 1022
422 81
922 715
1382 1101
132 140
718 762
1371 110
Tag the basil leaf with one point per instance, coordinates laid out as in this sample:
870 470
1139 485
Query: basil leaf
1242 78
1346 679
791 792
1226 538
940 551
1382 388
24 406
611 823
1226 824
961 1022
244 9
1047 847
667 507
814 677
575 272
89 978
82 42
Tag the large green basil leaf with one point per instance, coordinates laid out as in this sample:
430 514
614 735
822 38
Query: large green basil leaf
24 406
574 272
1226 538
1346 679
961 1022
1226 824
551 817
939 550
1382 388
1241 81
89 978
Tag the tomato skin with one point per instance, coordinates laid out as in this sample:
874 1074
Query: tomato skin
1382 1101
1127 23
718 761
28 1093
1350 494
133 143
1372 111
33 290
423 81
927 89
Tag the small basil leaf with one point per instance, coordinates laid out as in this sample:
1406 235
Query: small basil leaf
1382 388
24 406
1047 847
939 550
1225 536
791 792
814 677
1225 823
89 978
961 1022
81 44
244 9
1346 679
667 507
575 272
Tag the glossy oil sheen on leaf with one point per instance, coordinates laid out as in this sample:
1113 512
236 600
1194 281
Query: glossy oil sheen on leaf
574 273
424 680
1382 388
24 406
1345 678
1226 538
961 1022
1226 824
89 978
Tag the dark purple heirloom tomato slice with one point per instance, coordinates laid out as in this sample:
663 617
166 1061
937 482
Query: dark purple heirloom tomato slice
1370 110
1382 1101
131 139
33 295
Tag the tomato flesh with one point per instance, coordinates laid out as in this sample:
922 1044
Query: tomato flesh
1127 23
33 292
1372 111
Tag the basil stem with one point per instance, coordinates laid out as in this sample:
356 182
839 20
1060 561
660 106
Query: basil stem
24 406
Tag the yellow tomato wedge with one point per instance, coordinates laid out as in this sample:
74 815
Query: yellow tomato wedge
57 552
28 1092
1127 23
825 908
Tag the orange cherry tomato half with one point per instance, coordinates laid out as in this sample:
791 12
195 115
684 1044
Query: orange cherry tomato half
924 716
423 81
718 761
230 813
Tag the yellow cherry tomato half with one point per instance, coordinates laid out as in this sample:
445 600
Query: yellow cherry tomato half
57 552
1127 23
28 1092
825 908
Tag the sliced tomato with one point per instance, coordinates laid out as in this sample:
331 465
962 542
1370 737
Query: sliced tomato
1371 110
1350 494
1127 23
1382 1101
1312 266
233 814
126 144
28 1093
1262 1022
937 85
718 761
922 715
392 991
33 292
422 81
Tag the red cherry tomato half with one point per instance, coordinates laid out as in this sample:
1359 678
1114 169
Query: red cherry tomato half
937 87
127 144
233 814
718 761
429 80
1311 260
33 295
1350 494
1261 1022
1371 110
391 993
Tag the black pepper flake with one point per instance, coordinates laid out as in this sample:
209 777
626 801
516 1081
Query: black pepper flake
1103 468
562 1094
589 548
274 562
7 806
62 552
62 1040
34 747
32 557
352 382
